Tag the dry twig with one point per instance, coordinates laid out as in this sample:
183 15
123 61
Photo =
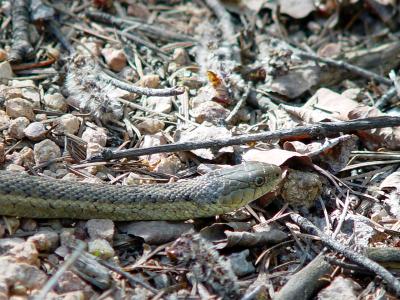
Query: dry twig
320 129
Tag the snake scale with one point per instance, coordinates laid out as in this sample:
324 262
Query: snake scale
215 193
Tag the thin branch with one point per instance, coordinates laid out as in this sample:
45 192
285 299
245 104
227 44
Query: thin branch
166 92
384 100
319 130
152 30
21 46
358 258
344 65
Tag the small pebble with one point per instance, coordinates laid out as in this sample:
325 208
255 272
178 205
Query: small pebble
160 104
150 81
101 248
45 151
19 107
27 157
45 240
68 124
35 131
210 111
97 135
55 102
169 165
69 282
151 126
240 265
93 149
71 177
17 127
180 57
28 224
115 58
22 274
100 229
20 250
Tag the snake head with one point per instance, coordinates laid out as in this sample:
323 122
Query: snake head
247 182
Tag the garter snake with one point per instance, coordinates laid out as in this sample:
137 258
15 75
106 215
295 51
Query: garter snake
215 193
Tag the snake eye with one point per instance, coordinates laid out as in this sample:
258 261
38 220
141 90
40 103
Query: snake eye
259 181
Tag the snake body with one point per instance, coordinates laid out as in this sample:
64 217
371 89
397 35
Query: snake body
215 193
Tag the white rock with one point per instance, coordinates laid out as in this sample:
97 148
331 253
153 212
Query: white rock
55 102
68 123
23 83
35 131
17 127
150 141
160 104
151 126
19 107
97 135
45 151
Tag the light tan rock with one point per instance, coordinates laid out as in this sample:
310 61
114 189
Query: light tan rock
115 58
45 151
55 102
19 107
17 127
68 123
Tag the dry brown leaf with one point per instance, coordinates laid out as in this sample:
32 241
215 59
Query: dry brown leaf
276 157
334 158
325 100
296 82
306 115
